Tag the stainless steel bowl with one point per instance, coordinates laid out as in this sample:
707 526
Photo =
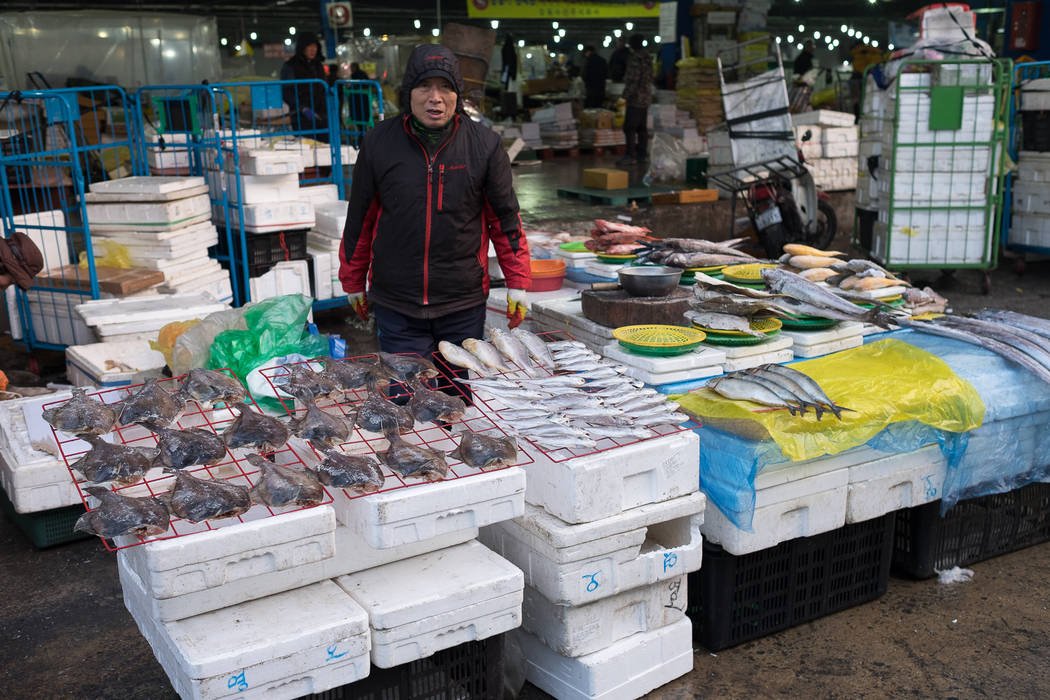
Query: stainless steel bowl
649 281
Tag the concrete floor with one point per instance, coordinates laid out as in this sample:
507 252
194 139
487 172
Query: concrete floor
64 631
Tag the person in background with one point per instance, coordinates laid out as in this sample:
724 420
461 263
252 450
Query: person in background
618 61
804 61
306 100
20 261
638 94
356 73
864 56
509 55
594 72
430 190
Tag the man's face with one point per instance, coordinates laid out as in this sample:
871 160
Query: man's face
433 102
310 52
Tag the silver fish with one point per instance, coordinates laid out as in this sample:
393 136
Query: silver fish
642 403
589 412
536 347
487 353
461 358
549 430
791 386
662 418
1039 326
581 365
525 413
577 400
621 395
607 372
616 432
516 393
1025 341
513 349
706 283
737 389
818 297
563 344
118 515
599 418
556 443
566 380
723 322
795 403
811 389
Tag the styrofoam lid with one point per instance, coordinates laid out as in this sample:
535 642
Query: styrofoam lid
147 185
258 631
431 584
100 311
333 209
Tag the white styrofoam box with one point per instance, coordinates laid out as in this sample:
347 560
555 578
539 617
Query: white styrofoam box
149 249
282 647
913 80
811 151
936 159
168 158
626 670
895 482
286 277
607 270
814 134
211 559
110 365
555 113
970 245
322 269
402 516
53 244
776 357
316 154
264 162
419 606
846 149
846 329
775 344
798 508
1033 166
145 314
54 322
254 189
838 134
331 218
1035 94
1030 198
319 194
578 564
957 187
821 349
606 484
654 379
317 240
579 630
705 357
269 217
1030 229
144 188
824 117
964 73
161 216
34 480
951 23
955 222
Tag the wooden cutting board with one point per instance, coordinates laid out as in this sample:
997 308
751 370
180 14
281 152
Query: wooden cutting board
112 280
618 308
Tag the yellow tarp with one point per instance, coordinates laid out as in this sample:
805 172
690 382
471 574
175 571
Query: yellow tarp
884 382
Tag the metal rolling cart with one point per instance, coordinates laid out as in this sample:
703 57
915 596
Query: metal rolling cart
1030 92
940 165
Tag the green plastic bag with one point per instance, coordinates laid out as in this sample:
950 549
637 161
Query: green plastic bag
275 327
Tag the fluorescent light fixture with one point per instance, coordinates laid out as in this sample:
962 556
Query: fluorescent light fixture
223 41
418 25
367 32
291 30
495 24
629 25
287 41
435 31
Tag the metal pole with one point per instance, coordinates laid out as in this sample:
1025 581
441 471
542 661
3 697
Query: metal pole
439 15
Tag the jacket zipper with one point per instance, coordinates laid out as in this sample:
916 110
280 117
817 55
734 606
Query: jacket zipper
441 184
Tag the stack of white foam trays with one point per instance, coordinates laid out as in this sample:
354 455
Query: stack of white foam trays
264 185
831 151
778 349
303 602
165 224
605 543
322 243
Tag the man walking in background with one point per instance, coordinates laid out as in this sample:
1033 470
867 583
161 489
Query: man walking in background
637 93
595 71
618 61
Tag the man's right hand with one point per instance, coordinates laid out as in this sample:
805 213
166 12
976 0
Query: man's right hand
359 303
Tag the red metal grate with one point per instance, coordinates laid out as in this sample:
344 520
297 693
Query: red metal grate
429 435
234 468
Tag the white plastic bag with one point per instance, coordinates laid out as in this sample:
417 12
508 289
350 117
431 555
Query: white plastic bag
666 160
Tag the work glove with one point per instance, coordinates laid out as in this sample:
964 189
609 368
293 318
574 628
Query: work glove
516 306
359 303
309 114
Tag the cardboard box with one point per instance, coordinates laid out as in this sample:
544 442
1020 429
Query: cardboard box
596 119
685 197
605 179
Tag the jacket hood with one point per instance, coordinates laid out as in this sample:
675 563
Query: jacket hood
305 40
427 61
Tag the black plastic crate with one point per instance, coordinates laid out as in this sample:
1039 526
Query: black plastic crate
973 530
45 528
470 671
736 598
1035 130
269 248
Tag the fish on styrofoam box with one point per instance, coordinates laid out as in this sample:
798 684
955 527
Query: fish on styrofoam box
269 217
266 162
281 647
419 606
330 218
894 482
130 216
628 669
110 365
33 479
254 189
601 485
573 631
579 564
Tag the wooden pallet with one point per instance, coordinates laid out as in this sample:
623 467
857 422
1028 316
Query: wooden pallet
640 194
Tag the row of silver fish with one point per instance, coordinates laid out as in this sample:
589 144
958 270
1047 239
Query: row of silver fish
694 252
776 386
524 351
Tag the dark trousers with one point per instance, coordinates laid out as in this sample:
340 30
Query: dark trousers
594 99
636 131
404 334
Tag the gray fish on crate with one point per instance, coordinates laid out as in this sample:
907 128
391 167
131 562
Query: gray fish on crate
485 452
178 449
351 375
82 415
400 367
513 349
207 387
376 413
427 405
253 429
152 404
351 472
413 461
115 462
321 428
307 385
119 515
279 485
487 354
197 500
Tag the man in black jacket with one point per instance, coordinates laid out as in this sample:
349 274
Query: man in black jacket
595 71
430 189
306 100
618 61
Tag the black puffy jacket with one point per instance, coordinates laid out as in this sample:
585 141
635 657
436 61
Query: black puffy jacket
300 95
418 227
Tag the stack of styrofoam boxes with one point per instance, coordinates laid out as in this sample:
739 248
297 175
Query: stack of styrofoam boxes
557 126
831 152
51 313
927 180
263 174
658 372
667 119
844 336
1030 218
173 159
530 134
316 154
164 222
141 318
576 274
777 350
322 243
605 544
390 577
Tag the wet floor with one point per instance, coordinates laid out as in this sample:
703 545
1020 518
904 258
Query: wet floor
64 631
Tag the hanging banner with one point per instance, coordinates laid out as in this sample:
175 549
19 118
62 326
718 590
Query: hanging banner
566 9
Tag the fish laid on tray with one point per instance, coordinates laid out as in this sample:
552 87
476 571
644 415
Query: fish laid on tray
152 404
776 386
413 461
122 464
82 415
197 500
207 387
257 430
118 515
485 451
279 485
351 472
320 428
350 374
178 449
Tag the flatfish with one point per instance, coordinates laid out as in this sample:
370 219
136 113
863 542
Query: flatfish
399 367
253 429
485 452
152 404
82 415
178 449
197 500
412 461
208 387
113 462
351 472
119 515
280 485
351 375
428 406
376 413
320 427
307 385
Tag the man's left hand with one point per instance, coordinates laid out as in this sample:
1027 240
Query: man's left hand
517 302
